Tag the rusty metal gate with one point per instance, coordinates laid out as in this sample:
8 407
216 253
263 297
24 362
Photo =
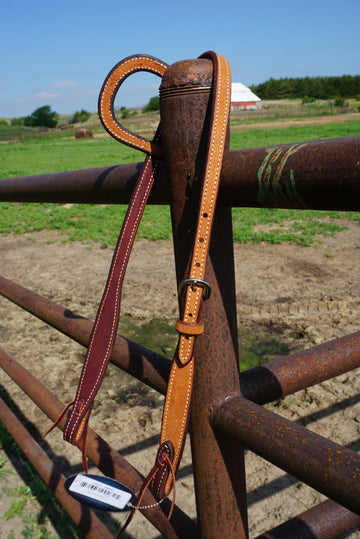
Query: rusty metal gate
227 412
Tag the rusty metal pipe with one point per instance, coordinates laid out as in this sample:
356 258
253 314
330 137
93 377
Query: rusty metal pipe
83 517
325 521
143 364
100 453
326 466
261 384
319 175
218 466
100 185
288 374
315 175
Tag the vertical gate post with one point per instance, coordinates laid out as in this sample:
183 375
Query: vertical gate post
218 464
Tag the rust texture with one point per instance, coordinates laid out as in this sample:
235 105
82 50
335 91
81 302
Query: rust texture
321 174
325 521
288 374
262 384
143 364
105 185
326 466
185 117
81 515
101 454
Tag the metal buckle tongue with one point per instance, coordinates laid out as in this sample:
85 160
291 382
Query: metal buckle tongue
194 283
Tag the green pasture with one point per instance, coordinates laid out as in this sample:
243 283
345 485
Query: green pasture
60 151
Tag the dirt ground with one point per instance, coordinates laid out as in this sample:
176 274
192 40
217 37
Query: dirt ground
301 296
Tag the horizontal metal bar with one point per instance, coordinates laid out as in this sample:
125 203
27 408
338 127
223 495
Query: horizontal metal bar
109 461
288 374
143 364
100 185
83 517
322 464
315 175
320 175
261 384
325 521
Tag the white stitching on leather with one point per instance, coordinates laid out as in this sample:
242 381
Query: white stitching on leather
103 301
114 127
167 408
185 345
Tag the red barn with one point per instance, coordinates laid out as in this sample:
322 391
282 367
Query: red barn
243 98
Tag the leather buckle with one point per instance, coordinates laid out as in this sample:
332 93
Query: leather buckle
194 283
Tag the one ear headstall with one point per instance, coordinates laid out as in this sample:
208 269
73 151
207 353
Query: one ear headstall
161 478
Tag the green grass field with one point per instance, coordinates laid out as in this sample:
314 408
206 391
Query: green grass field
60 151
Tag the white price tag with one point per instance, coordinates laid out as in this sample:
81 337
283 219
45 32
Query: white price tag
100 491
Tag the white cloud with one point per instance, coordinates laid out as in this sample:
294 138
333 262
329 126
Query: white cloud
73 70
45 94
64 84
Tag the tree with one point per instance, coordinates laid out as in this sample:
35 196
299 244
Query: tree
18 121
317 87
80 116
125 113
42 117
153 105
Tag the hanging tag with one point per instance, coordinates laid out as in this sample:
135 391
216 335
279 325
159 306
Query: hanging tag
100 492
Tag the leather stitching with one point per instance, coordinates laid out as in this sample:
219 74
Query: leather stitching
168 407
110 87
193 295
116 303
201 247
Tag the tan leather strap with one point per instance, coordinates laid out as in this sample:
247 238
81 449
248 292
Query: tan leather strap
178 397
112 83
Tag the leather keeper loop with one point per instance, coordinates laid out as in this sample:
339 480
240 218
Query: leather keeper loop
186 328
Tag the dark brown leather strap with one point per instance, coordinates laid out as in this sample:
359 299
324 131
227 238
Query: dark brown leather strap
105 327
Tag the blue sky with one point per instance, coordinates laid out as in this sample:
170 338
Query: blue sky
58 52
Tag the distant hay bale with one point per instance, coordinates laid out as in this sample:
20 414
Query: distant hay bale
83 133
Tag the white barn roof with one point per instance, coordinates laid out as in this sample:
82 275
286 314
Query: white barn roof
242 94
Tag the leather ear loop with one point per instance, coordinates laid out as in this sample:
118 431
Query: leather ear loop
111 85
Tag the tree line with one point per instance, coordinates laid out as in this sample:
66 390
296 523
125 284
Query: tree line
46 117
309 87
